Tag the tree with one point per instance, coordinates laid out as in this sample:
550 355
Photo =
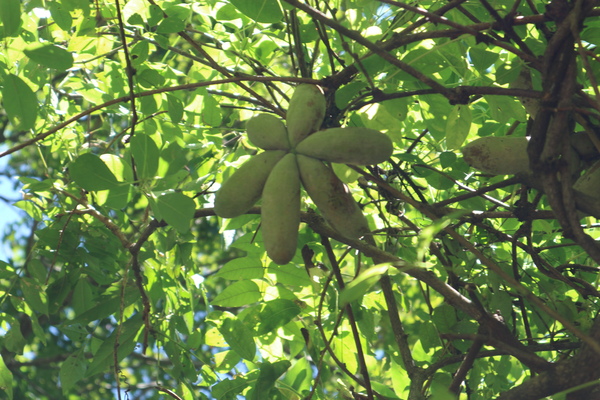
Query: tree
122 119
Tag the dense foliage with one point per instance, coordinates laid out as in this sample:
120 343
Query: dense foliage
121 118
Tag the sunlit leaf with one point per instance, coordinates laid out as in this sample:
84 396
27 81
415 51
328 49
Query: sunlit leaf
177 210
30 208
10 15
60 15
238 294
242 268
269 373
276 313
239 337
458 125
20 103
359 286
91 173
50 55
6 379
228 389
175 108
211 111
267 11
145 155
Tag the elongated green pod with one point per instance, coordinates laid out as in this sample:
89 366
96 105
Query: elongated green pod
267 132
352 145
498 155
243 189
306 112
332 198
281 210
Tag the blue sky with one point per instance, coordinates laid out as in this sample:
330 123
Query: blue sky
8 213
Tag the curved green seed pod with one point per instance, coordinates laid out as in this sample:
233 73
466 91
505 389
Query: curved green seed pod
281 210
306 112
332 197
243 189
352 145
267 132
498 155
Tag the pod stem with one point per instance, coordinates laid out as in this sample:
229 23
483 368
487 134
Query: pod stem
348 309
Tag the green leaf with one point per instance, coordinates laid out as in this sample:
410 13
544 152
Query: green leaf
76 332
346 93
14 340
211 111
482 59
359 286
238 294
458 125
429 233
50 55
30 208
6 379
37 270
20 103
156 15
91 173
242 268
174 108
290 274
150 78
72 370
117 165
444 318
170 24
105 306
10 15
345 173
268 375
276 313
447 158
504 108
34 295
116 198
145 155
267 11
299 375
228 389
177 210
103 357
139 53
60 15
239 337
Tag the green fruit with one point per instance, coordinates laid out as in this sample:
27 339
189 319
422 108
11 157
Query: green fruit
281 210
332 198
267 132
243 189
305 113
498 155
352 145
